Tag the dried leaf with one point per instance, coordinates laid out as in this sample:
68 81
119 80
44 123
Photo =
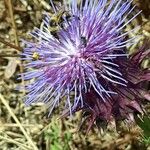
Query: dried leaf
11 68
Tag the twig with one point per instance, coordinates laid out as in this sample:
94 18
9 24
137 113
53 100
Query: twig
17 121
13 21
24 125
16 37
13 134
9 55
10 45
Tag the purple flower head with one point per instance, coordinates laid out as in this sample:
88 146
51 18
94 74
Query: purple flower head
82 58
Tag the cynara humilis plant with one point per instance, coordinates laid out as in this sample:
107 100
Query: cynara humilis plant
86 62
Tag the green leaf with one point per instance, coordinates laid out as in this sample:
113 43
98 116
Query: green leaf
144 124
56 146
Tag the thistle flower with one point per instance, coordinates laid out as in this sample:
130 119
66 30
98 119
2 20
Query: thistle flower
84 58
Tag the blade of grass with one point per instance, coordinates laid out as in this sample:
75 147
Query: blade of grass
18 122
24 147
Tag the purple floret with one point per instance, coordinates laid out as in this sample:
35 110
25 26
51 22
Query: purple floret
82 58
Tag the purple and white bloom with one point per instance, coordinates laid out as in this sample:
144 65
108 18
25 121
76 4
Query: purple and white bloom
81 57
